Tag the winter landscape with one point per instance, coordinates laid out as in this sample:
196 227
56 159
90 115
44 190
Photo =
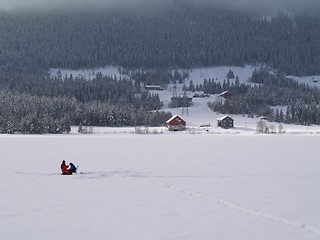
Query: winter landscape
75 81
201 183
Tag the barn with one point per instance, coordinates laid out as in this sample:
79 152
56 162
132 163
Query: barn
176 123
225 122
225 94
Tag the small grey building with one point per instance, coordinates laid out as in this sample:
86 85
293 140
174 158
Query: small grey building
225 122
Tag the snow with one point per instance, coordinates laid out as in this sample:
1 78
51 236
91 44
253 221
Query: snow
86 73
312 81
202 183
197 75
164 186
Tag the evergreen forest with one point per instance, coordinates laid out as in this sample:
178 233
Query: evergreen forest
161 38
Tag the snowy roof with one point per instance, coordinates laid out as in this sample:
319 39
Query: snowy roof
173 117
152 85
263 118
224 117
225 92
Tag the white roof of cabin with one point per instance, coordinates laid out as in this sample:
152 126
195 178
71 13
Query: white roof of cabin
173 117
224 117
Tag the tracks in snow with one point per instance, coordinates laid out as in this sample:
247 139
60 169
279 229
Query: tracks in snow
235 206
136 176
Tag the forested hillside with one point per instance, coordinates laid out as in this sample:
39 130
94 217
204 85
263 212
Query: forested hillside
181 35
156 37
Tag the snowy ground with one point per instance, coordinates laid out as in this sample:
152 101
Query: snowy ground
199 184
164 186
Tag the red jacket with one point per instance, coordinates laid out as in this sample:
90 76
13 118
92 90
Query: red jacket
64 168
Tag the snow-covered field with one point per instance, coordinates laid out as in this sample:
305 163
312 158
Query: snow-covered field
161 186
86 73
199 184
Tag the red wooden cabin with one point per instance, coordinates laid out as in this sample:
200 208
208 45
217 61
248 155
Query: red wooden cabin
176 123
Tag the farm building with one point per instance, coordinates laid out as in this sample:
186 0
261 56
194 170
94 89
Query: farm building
153 87
225 122
225 94
176 123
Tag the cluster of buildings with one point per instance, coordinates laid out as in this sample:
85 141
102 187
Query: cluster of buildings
176 123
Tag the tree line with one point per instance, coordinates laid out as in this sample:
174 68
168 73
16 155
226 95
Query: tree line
24 113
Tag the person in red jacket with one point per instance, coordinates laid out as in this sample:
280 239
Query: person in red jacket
64 168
